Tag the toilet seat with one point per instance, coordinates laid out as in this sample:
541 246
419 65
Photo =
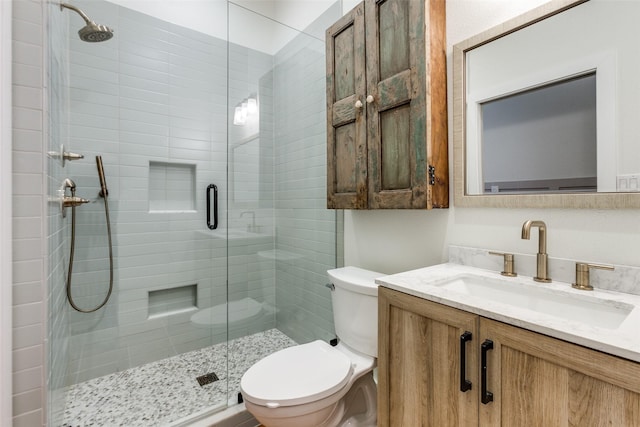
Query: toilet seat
297 375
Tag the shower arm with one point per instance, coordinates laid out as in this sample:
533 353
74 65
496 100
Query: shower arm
78 11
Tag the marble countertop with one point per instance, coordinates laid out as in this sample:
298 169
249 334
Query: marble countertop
623 340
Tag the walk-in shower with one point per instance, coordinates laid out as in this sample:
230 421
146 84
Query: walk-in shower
195 299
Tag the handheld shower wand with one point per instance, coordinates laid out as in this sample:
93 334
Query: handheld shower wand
104 192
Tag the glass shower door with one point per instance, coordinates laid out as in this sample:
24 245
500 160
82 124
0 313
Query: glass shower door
174 110
281 237
152 103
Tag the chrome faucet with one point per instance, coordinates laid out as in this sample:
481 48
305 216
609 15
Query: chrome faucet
250 227
542 269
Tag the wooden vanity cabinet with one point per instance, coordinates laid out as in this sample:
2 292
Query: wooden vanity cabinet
419 363
537 380
387 107
533 379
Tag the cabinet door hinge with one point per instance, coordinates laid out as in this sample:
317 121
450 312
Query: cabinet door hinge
432 175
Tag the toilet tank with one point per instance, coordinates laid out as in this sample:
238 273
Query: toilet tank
355 308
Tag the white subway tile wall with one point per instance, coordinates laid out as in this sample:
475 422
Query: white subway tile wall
29 214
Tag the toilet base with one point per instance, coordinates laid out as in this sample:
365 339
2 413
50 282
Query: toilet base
362 403
357 408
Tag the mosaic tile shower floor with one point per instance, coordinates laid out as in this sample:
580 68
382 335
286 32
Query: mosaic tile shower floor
162 392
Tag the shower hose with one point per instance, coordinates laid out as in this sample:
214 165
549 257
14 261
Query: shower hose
71 253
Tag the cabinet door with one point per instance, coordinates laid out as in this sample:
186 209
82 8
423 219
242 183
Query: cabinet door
419 355
407 118
541 381
346 127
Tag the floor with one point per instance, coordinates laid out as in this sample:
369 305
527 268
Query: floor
161 392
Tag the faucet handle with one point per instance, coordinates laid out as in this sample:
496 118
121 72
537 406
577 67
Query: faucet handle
509 264
582 275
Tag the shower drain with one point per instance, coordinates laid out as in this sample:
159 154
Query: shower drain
207 379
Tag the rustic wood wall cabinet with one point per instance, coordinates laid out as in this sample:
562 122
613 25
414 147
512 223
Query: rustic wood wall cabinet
439 366
387 107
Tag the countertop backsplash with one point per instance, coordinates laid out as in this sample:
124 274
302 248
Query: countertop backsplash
623 278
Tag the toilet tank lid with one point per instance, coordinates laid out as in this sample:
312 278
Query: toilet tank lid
355 279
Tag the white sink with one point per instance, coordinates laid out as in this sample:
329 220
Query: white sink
598 312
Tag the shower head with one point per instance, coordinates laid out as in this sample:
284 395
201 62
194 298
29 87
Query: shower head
91 32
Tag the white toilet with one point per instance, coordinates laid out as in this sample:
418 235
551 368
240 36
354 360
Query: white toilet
315 384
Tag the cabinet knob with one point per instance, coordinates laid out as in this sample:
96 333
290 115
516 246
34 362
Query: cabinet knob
582 275
369 99
358 104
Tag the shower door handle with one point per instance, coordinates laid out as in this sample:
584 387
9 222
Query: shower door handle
215 206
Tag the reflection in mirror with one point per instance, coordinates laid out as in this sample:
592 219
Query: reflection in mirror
245 170
562 74
539 140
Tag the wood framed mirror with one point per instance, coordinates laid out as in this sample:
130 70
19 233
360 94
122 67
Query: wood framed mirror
583 44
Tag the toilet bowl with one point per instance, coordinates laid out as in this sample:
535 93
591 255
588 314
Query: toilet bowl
307 385
316 384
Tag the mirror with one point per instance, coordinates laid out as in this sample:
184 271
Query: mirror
545 109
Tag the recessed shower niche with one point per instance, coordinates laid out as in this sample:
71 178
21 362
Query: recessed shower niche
172 187
178 299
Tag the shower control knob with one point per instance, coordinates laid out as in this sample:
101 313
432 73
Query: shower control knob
72 156
70 201
64 155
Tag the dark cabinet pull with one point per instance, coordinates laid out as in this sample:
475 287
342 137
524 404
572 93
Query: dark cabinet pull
215 206
465 384
486 396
